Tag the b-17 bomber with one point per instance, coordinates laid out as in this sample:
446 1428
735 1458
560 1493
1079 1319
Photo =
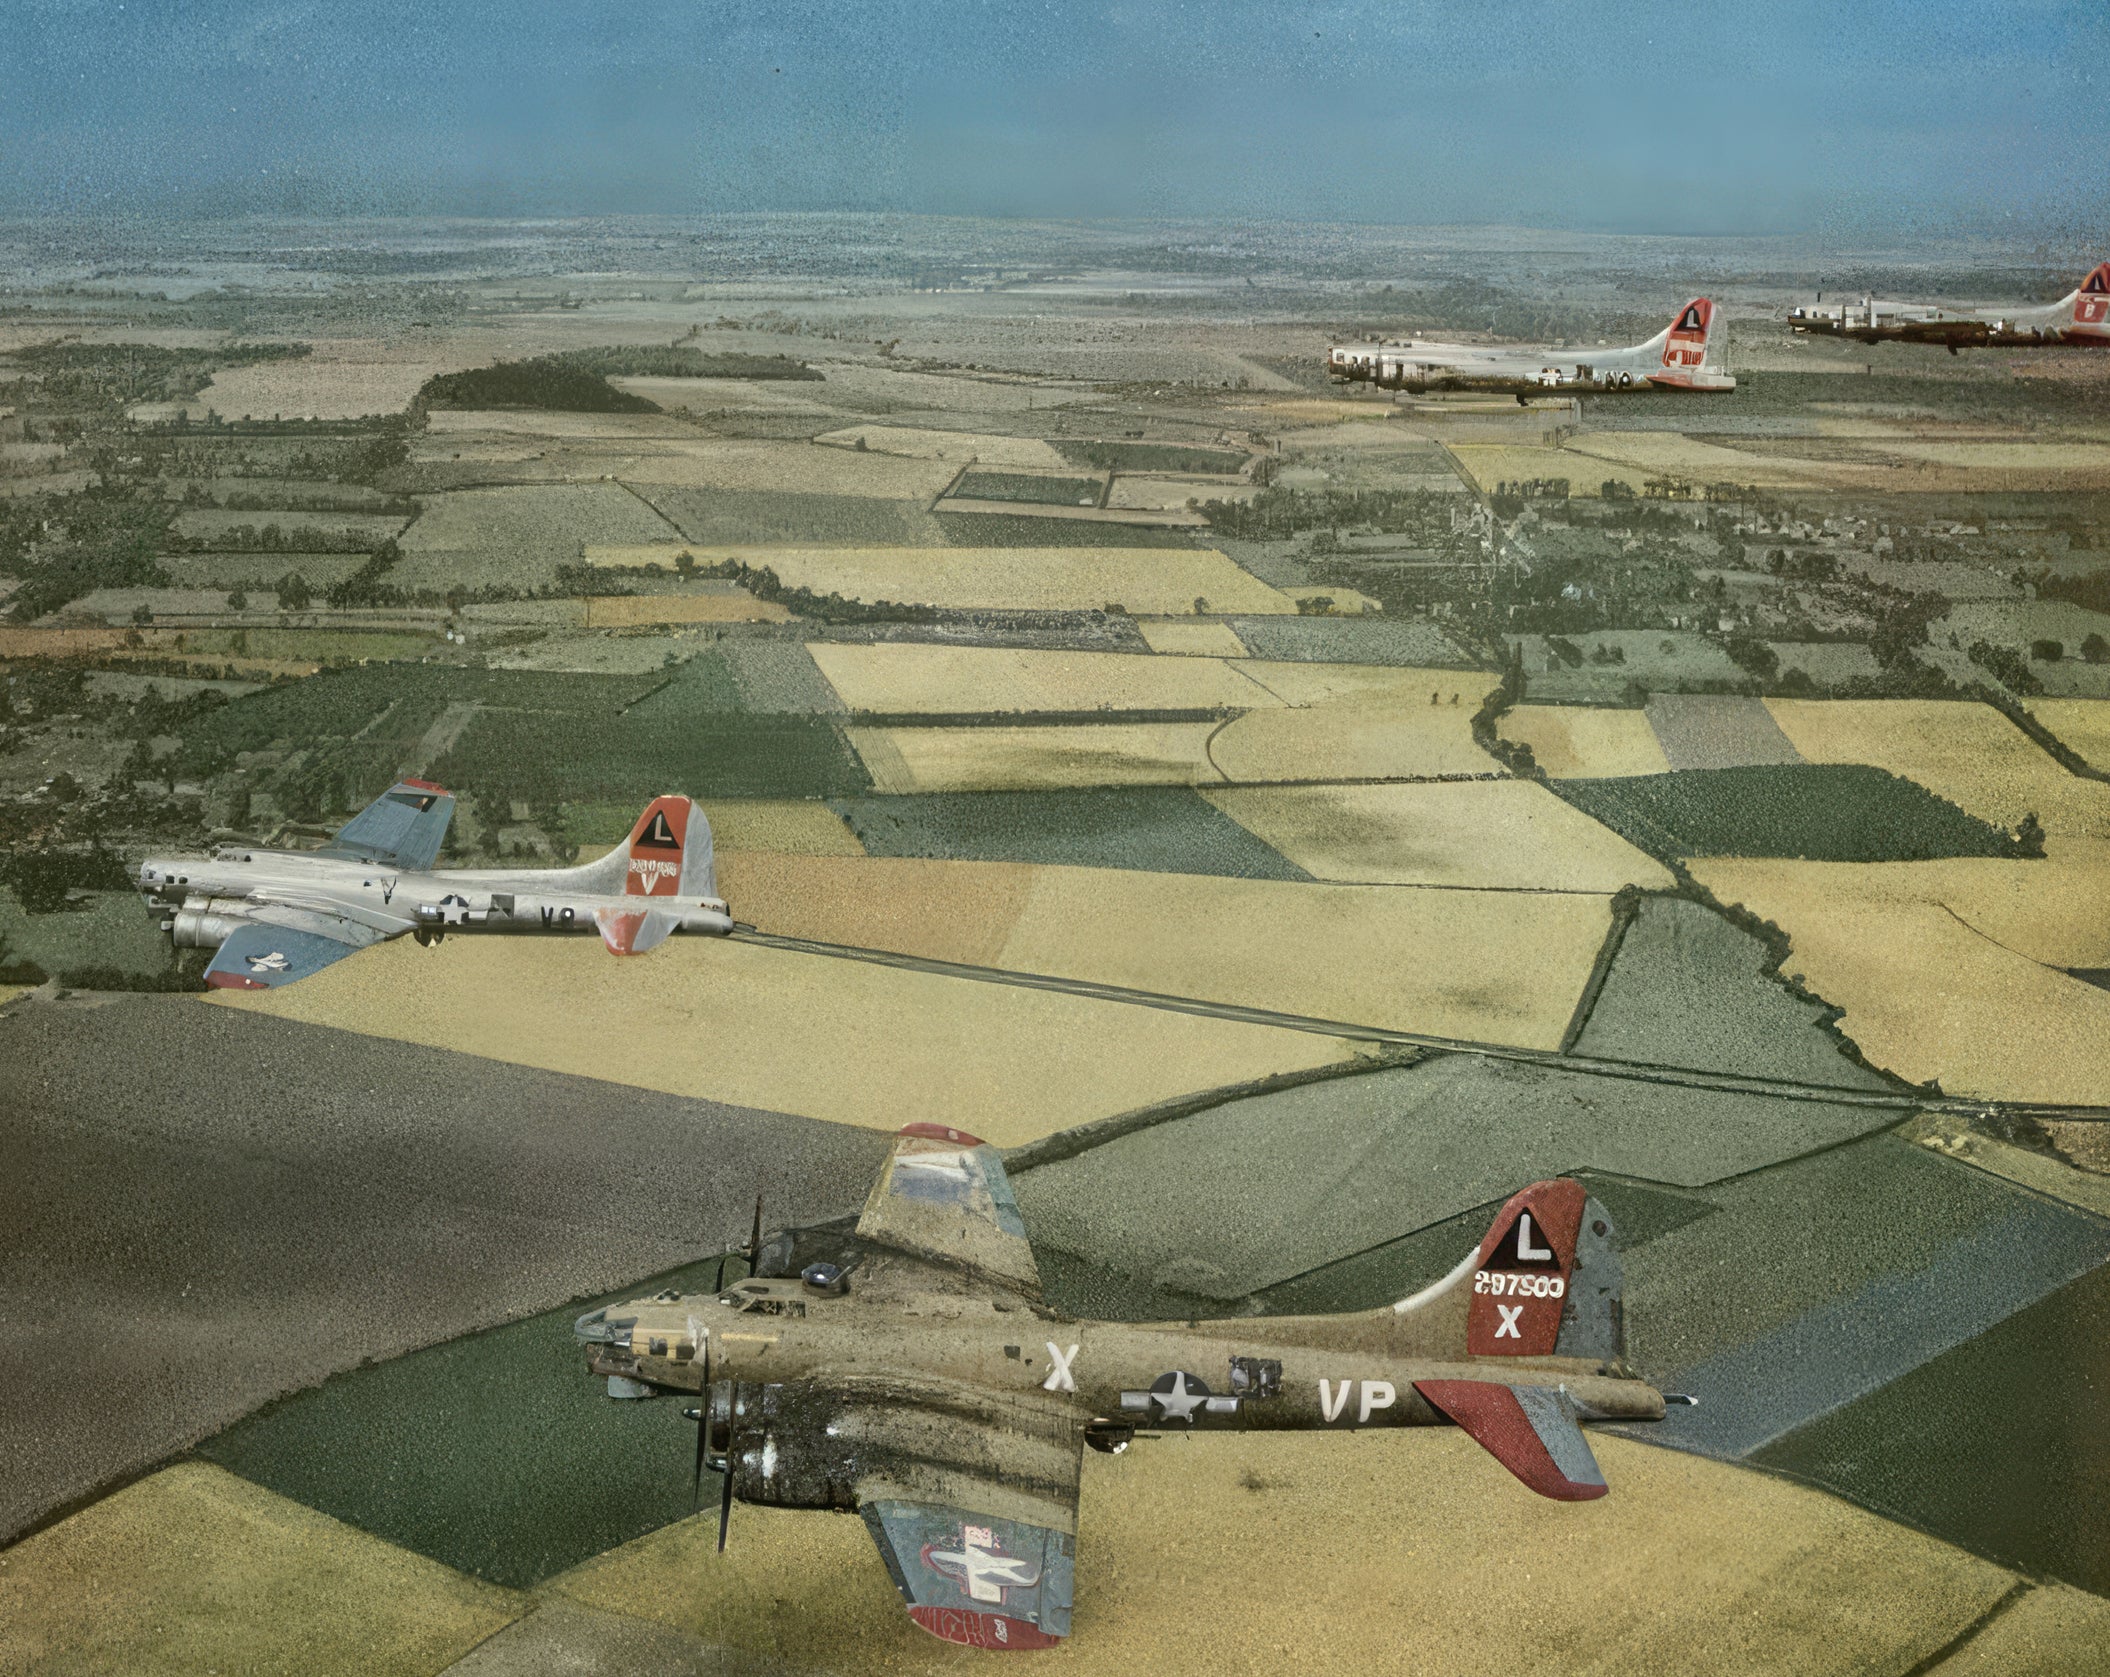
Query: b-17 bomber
923 1381
274 916
2080 318
1680 357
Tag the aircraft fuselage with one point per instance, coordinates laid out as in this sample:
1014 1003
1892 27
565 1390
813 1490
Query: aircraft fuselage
212 896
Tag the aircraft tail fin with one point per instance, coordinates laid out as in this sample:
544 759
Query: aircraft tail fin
1543 1282
2091 305
668 854
1690 350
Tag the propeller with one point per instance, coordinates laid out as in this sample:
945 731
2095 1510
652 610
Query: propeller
732 1455
702 1416
754 1240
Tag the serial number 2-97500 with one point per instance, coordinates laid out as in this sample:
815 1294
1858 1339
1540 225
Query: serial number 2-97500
1519 1283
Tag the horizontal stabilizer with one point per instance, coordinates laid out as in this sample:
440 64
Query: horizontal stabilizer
1531 1430
403 828
633 931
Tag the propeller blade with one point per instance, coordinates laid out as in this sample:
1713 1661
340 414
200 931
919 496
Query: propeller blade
721 1273
702 1415
732 1455
754 1241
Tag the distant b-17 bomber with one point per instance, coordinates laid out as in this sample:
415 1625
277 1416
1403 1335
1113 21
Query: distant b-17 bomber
1680 357
273 916
2080 318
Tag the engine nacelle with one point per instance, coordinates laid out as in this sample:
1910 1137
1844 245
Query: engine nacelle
206 923
787 1449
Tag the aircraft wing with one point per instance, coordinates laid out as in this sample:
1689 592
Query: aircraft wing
263 956
943 1196
974 1509
400 829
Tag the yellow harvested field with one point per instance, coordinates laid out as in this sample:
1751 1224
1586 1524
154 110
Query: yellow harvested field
312 388
778 467
2024 456
1163 580
1377 684
1497 966
471 424
2083 725
2053 1631
957 447
771 1028
1671 454
940 910
633 611
1029 759
2055 911
1191 638
1571 742
1690 1565
1494 966
195 1570
913 680
1131 491
1968 753
1511 834
1351 739
783 826
1927 997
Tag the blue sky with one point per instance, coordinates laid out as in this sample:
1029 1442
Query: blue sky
1839 120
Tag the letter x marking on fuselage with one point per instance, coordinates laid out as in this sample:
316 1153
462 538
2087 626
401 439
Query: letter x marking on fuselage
1059 1378
1509 1314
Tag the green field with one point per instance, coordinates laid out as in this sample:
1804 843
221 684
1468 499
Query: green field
1025 486
1150 457
1823 812
1153 829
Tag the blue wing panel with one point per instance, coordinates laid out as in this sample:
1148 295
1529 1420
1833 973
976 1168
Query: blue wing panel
975 1579
262 957
400 829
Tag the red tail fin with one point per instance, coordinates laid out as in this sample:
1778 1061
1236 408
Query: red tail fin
1521 1272
657 849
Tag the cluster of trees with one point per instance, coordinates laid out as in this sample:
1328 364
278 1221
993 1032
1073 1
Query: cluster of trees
271 538
2006 665
552 382
111 377
63 547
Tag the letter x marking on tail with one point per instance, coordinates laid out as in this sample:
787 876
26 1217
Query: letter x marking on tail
1059 1379
1509 1314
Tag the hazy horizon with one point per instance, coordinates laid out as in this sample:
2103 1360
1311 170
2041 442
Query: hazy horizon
1955 118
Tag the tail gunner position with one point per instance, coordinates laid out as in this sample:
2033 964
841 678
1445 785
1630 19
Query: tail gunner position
277 915
926 1385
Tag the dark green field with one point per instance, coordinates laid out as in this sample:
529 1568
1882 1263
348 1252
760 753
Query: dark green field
1822 812
1154 829
1023 486
1150 457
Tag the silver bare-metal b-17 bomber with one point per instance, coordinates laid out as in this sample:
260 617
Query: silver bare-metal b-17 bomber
273 916
1680 357
2080 318
919 1378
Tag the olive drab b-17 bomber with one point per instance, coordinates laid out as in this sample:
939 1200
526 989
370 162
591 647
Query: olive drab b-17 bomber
919 1379
1683 356
2081 318
273 916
